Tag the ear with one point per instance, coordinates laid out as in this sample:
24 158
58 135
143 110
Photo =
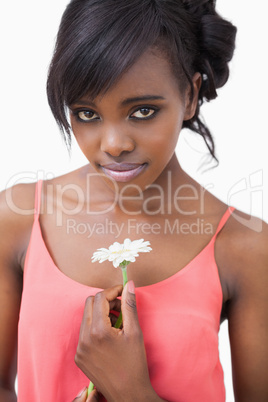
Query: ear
191 102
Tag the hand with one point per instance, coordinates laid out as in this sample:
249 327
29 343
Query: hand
82 397
114 359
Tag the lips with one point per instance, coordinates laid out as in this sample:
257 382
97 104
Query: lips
123 172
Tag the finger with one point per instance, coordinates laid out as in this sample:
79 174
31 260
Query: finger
93 396
129 309
87 316
82 396
103 302
112 293
115 305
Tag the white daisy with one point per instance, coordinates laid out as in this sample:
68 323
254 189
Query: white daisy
119 253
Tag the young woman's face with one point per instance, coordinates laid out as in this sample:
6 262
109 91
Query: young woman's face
130 133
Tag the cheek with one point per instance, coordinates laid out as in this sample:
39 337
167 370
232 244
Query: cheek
164 137
84 138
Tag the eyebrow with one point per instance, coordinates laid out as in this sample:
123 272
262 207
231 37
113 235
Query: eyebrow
127 101
141 99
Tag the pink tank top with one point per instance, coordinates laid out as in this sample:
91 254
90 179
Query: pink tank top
179 317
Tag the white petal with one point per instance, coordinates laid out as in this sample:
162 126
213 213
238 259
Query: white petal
136 243
115 247
115 264
127 243
132 259
117 253
117 261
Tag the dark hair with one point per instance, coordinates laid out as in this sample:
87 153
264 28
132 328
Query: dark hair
99 40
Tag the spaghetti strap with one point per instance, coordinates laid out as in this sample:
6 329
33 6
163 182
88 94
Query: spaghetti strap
37 203
224 219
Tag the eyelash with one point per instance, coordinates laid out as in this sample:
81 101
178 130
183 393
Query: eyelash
78 111
150 108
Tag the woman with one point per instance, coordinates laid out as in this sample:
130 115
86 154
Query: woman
126 77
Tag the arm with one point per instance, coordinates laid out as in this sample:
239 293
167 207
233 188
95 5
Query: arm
246 265
11 229
10 291
114 359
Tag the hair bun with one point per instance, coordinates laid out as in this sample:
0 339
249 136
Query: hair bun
218 44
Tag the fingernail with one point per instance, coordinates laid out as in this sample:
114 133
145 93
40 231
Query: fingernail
131 287
81 392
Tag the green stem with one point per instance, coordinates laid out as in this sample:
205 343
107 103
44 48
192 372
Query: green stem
90 388
119 321
124 272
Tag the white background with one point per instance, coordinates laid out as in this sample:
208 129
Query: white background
30 140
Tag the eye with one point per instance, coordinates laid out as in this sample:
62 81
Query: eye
85 115
144 113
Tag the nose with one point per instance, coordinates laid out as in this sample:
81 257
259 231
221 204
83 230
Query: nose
115 142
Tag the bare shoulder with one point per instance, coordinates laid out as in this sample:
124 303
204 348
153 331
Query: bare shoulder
242 252
17 202
242 257
16 218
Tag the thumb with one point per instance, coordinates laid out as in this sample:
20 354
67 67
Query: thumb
82 396
93 396
129 308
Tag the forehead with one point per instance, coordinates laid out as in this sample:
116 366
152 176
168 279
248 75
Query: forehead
150 74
